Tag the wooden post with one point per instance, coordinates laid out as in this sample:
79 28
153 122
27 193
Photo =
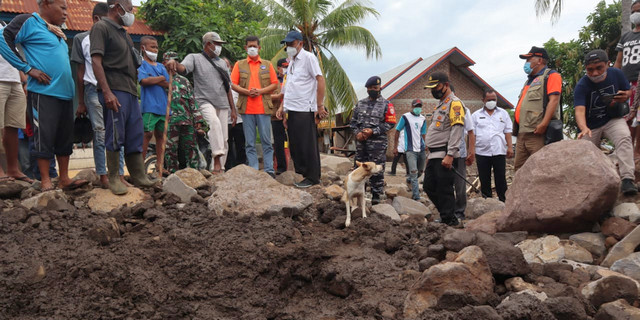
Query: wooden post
160 157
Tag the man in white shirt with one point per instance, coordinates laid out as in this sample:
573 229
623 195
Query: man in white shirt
493 129
304 103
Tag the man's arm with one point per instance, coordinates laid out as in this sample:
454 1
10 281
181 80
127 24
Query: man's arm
509 138
395 144
80 70
471 150
321 87
618 63
581 120
110 99
554 100
232 105
152 81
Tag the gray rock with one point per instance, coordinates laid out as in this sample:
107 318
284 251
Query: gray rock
629 266
566 308
173 184
551 249
427 263
339 165
386 210
512 237
42 199
234 195
623 248
593 242
14 215
89 175
617 310
410 207
478 206
504 259
289 178
192 178
457 240
11 189
629 211
59 205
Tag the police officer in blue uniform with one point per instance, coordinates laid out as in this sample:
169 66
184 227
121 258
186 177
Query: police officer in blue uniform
372 118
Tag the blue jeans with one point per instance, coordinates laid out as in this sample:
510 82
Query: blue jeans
416 161
94 109
123 128
263 123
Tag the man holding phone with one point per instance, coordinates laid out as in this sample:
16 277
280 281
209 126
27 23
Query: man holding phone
600 100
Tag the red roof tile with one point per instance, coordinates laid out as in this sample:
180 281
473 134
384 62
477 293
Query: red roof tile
78 15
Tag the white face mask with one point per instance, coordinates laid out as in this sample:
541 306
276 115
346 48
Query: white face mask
635 18
217 51
151 55
128 18
292 51
252 52
599 78
491 105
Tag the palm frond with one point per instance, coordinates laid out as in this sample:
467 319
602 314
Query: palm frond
340 96
354 37
544 6
350 12
270 42
279 16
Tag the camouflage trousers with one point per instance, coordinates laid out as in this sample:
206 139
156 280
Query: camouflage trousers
181 145
374 151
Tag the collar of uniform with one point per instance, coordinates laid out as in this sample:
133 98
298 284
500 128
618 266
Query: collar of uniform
300 54
115 24
531 77
447 98
249 60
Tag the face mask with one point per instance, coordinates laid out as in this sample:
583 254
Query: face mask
438 94
128 18
599 78
217 50
527 68
491 105
373 94
417 111
151 55
252 52
292 52
635 18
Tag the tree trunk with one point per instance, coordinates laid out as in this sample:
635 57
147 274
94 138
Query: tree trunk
626 12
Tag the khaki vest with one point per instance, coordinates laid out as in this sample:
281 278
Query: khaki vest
265 81
533 104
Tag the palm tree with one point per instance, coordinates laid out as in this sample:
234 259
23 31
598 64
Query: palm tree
324 26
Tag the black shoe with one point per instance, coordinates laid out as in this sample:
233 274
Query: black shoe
306 183
375 199
451 222
392 174
273 175
628 187
459 215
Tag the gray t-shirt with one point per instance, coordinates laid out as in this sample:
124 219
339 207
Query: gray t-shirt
630 46
208 84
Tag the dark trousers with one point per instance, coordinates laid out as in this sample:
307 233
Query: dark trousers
52 122
485 164
303 145
438 184
394 164
279 137
123 128
374 151
236 154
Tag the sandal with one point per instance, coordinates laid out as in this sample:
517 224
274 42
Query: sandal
75 184
24 179
7 179
48 189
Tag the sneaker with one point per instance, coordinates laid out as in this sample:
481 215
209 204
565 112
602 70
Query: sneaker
304 184
273 175
628 187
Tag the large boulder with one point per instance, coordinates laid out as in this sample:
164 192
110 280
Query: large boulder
192 177
103 201
623 248
549 194
339 165
451 285
476 207
551 249
236 192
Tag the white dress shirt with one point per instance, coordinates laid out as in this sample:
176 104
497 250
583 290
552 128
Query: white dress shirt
301 88
490 131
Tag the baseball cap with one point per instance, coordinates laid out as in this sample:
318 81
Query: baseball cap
416 102
292 35
535 52
436 78
594 56
212 37
375 80
283 62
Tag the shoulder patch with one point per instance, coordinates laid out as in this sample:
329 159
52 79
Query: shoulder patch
390 116
456 114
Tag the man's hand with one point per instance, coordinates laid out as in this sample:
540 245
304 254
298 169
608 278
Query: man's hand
284 123
447 162
254 93
280 113
111 101
621 96
234 117
470 159
541 128
367 132
82 109
360 136
509 152
322 112
198 126
172 65
39 76
395 151
584 132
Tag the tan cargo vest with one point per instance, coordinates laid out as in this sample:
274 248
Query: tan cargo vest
533 104
265 81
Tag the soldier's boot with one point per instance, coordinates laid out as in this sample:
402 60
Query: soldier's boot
139 177
113 165
375 198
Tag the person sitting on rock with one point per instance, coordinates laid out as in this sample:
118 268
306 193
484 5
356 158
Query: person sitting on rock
600 100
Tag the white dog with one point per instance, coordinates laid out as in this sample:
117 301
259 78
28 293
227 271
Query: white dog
354 184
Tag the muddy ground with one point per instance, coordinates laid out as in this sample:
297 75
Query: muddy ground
187 263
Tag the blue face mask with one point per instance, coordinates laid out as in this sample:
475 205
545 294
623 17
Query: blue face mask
417 111
527 68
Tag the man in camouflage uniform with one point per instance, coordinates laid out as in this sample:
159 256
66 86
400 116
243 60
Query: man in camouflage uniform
185 121
443 141
371 119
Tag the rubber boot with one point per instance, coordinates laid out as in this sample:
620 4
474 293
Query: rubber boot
139 177
113 165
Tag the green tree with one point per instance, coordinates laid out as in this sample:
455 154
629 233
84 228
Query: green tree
324 26
186 21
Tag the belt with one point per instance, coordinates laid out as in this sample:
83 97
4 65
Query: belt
439 149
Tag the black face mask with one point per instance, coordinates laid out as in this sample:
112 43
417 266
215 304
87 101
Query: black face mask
438 94
373 94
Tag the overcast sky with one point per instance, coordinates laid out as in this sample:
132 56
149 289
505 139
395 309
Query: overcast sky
492 33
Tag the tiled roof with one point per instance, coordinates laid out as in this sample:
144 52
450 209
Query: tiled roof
78 15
